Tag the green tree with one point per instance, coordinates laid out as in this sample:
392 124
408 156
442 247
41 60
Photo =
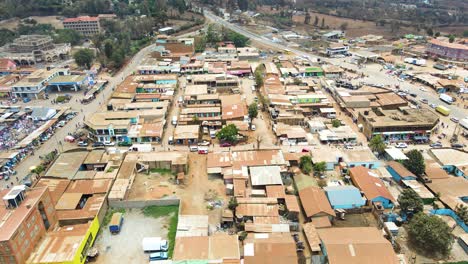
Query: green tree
305 164
232 205
377 144
437 34
316 21
253 111
118 57
307 18
228 133
320 167
451 38
238 39
108 48
200 43
67 36
84 58
415 162
344 26
465 33
6 36
430 234
212 36
336 123
430 32
462 212
259 77
410 201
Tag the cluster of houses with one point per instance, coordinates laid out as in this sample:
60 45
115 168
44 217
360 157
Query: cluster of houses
57 218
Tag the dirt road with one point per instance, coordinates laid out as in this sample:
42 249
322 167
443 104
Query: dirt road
197 185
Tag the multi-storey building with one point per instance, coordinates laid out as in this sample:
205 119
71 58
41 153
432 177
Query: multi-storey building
403 124
34 85
26 216
85 25
445 50
30 49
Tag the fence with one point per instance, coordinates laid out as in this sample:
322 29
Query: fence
142 204
452 214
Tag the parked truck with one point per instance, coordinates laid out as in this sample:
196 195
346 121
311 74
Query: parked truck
415 61
116 223
141 148
443 110
446 98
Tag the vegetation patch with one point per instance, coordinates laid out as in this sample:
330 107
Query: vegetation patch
109 213
171 211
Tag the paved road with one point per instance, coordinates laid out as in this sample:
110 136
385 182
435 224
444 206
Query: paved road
375 75
83 111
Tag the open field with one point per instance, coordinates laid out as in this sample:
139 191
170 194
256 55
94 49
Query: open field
14 22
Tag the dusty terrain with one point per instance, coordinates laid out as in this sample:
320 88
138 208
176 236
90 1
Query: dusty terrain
126 246
199 189
14 22
152 186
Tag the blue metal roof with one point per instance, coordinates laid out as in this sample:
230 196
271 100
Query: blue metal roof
347 194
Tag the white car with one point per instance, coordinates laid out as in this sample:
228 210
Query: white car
253 127
422 89
454 119
109 143
253 88
401 145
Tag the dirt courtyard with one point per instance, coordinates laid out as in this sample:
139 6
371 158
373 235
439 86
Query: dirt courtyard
199 189
126 246
152 186
356 220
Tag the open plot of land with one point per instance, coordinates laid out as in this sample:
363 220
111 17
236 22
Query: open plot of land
126 246
152 186
14 22
199 189
304 181
357 220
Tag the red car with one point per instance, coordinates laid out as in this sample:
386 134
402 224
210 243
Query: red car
225 144
202 151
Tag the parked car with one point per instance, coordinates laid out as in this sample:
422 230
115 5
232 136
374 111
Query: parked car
436 145
204 143
158 256
109 143
193 148
424 101
98 144
457 145
253 127
82 143
422 89
433 106
202 150
402 145
124 144
225 144
413 95
454 119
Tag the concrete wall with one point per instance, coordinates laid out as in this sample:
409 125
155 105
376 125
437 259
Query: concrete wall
143 203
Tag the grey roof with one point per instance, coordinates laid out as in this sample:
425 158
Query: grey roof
265 175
